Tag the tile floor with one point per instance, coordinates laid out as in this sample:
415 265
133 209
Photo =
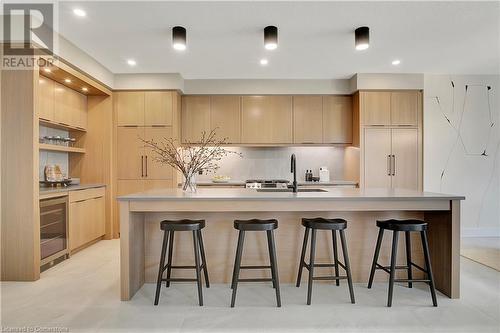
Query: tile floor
484 250
82 294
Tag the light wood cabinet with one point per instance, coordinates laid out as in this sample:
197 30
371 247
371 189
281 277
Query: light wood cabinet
46 98
404 108
377 157
62 104
396 108
195 118
307 119
225 117
391 158
69 106
266 119
337 119
405 158
158 108
130 153
129 107
376 107
153 169
87 216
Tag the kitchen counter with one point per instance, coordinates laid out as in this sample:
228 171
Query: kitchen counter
141 213
238 183
50 192
237 194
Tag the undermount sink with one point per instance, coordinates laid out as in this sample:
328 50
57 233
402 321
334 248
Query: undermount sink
290 190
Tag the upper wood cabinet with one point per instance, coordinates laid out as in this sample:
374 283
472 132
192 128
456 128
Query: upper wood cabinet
225 117
158 108
385 108
70 107
337 119
266 119
46 99
144 108
376 107
195 118
404 108
307 119
129 108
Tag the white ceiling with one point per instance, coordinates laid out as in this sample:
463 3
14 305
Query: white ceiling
316 39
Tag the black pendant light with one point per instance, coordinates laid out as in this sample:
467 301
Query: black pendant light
271 37
362 38
179 39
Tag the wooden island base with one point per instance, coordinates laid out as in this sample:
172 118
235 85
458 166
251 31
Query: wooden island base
141 236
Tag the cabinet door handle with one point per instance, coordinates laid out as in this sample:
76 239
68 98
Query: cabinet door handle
142 166
389 165
146 165
393 165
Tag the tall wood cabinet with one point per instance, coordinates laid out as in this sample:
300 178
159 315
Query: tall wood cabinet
148 115
391 139
145 115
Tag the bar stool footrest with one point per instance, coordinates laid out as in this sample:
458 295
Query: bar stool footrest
255 280
326 278
179 280
255 267
412 280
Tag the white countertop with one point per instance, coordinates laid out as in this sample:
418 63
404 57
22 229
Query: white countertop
246 194
49 190
300 183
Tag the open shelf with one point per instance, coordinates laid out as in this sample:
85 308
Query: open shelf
45 146
52 124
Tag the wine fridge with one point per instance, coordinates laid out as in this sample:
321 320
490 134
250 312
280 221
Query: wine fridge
53 230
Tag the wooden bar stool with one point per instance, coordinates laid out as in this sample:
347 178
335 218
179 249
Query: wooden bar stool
405 226
169 227
319 223
256 225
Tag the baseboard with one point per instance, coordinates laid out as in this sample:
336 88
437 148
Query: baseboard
481 232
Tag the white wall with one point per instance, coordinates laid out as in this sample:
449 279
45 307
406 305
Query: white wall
452 149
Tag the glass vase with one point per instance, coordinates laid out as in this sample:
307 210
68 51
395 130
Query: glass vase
189 185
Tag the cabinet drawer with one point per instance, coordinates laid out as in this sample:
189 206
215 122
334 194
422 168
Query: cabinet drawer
90 193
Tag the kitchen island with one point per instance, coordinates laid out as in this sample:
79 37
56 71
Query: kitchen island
141 213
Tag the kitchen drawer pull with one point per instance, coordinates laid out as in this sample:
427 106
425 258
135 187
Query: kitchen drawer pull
142 166
146 165
393 165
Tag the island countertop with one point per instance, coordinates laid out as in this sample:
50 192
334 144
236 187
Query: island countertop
252 194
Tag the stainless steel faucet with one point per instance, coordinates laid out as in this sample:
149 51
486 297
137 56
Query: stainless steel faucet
293 169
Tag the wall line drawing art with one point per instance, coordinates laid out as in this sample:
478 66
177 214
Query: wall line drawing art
457 128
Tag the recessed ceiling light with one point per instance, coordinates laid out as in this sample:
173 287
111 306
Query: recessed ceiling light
271 37
85 89
396 62
79 12
179 38
131 62
67 80
47 70
264 62
362 38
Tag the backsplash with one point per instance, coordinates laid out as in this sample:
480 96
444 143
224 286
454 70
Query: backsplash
274 163
51 157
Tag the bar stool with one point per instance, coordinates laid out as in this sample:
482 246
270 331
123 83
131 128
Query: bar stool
405 226
324 224
169 228
256 225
